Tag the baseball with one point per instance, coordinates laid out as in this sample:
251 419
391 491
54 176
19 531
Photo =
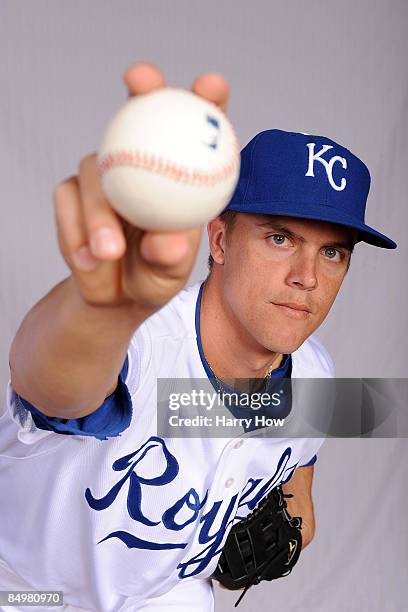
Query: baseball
169 160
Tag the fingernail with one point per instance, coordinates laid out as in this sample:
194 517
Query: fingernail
103 242
84 260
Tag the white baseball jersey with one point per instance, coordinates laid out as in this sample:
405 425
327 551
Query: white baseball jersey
118 521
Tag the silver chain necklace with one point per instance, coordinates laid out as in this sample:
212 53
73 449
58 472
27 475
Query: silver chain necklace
223 390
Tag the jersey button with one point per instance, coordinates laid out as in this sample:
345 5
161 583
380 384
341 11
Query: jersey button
238 444
229 482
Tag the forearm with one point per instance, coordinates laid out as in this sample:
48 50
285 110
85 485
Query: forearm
301 504
67 354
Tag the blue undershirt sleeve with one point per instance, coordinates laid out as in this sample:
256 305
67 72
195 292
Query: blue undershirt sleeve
311 462
108 421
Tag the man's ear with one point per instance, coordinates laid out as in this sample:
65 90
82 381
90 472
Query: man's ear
216 230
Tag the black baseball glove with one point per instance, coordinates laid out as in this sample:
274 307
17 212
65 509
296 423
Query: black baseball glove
263 546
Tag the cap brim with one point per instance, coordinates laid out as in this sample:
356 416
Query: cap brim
366 233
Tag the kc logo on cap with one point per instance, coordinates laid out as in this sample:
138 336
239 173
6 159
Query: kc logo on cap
328 165
306 176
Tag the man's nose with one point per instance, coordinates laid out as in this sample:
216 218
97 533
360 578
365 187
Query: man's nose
303 272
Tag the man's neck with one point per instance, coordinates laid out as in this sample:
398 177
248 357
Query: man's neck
228 348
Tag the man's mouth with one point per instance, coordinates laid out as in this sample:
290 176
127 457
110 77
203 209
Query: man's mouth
293 310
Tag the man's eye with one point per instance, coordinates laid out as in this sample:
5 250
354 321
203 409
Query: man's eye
278 238
331 253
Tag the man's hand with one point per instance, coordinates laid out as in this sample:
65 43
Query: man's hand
68 352
112 262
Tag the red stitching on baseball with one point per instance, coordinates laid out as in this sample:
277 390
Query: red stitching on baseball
155 163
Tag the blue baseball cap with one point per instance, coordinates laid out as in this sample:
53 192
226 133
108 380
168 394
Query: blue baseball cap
306 176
